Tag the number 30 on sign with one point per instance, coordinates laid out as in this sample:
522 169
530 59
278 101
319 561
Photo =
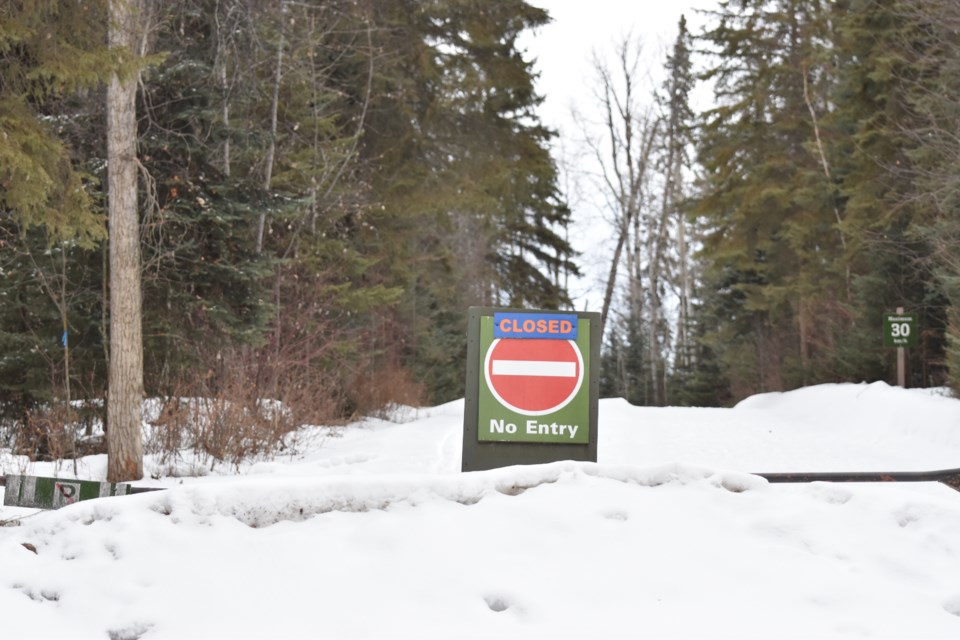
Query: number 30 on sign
900 330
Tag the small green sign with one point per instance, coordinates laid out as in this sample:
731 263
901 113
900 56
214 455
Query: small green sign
900 330
53 493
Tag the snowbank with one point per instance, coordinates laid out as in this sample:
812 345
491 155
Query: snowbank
375 534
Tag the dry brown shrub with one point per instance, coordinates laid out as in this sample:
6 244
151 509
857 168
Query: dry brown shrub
380 388
316 366
47 433
222 416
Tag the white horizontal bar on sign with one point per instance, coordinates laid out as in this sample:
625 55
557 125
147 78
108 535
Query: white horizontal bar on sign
543 368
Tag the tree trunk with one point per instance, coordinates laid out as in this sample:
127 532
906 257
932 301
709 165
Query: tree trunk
225 89
66 325
272 147
683 338
124 448
611 280
653 348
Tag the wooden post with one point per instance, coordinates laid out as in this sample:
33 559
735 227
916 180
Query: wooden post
901 363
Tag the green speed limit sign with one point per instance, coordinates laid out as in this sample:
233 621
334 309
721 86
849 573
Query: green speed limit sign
900 330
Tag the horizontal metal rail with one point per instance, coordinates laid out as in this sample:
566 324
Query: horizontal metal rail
949 477
133 490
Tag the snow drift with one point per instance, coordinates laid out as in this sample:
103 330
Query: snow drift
375 534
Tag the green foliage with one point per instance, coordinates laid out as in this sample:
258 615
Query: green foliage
50 217
48 50
762 225
928 40
394 154
816 220
623 364
38 184
465 205
37 281
395 189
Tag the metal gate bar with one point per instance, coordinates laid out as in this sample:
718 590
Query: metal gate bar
949 477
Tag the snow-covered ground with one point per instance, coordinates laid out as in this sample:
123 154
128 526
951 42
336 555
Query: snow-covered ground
373 532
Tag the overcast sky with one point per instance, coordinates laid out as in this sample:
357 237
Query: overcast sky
564 51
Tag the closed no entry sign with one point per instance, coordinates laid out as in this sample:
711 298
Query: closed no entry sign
532 378
531 394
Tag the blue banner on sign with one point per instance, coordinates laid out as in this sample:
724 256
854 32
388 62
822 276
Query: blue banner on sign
555 326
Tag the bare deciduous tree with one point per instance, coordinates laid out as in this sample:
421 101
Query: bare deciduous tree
641 154
623 151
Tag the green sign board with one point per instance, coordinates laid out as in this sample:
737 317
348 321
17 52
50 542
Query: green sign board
53 493
900 330
531 389
531 392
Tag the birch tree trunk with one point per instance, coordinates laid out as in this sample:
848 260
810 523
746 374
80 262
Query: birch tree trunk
683 325
124 447
628 138
272 147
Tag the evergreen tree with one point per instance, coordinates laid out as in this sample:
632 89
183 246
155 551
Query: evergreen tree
880 73
52 57
819 158
324 188
623 365
254 256
775 230
928 39
678 141
48 51
461 175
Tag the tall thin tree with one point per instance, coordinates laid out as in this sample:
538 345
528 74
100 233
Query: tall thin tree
124 447
677 142
623 151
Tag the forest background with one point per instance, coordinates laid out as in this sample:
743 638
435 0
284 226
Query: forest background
324 187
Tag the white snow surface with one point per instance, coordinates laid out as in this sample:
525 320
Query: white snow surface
375 533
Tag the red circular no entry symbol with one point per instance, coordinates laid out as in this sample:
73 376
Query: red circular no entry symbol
533 376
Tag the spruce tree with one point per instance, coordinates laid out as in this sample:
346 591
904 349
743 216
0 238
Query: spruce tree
775 230
882 57
48 51
53 55
679 118
461 173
